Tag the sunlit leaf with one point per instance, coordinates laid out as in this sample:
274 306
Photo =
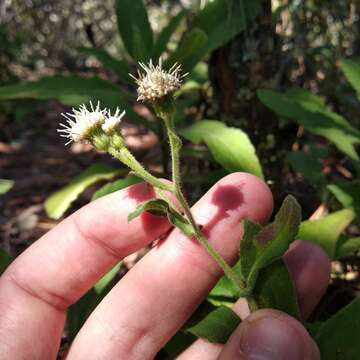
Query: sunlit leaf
59 202
6 185
115 186
351 69
325 232
225 288
348 195
230 147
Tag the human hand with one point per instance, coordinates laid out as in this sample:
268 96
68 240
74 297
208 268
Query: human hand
145 309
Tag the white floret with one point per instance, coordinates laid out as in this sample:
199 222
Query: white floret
155 82
112 122
80 123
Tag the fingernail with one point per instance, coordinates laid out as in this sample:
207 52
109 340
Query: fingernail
269 338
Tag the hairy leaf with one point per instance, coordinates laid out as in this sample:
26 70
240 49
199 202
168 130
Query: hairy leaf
160 207
274 289
259 248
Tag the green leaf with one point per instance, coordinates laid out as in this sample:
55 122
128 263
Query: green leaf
6 185
216 326
351 69
325 232
187 54
309 111
179 343
259 248
73 90
5 260
248 250
274 289
230 147
220 21
225 288
134 28
348 195
348 247
338 337
103 284
115 186
59 202
80 311
160 207
166 33
118 67
309 166
69 89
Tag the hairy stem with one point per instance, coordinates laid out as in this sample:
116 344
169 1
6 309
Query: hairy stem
125 156
175 147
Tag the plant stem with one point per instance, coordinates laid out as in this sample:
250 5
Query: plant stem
175 147
253 306
125 156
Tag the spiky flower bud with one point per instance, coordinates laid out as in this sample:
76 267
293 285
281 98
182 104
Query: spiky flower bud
112 122
155 83
81 123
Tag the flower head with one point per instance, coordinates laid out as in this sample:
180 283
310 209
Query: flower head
112 122
156 83
80 124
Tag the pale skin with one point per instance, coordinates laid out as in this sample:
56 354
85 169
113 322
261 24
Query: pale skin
154 299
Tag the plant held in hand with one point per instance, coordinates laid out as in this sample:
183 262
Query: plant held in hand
158 87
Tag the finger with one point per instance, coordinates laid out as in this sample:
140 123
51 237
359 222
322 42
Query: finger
60 267
271 335
309 267
156 297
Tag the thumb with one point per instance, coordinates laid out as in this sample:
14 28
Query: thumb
270 335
